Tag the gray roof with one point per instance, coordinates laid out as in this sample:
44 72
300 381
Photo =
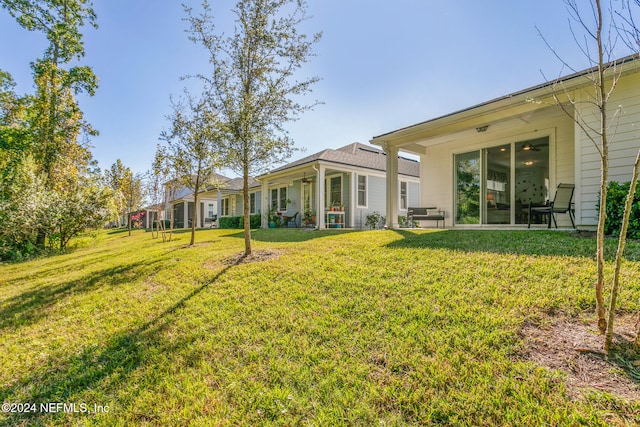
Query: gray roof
236 184
358 155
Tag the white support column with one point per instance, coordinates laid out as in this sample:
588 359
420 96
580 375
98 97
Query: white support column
353 200
186 214
423 177
392 186
265 203
320 197
219 209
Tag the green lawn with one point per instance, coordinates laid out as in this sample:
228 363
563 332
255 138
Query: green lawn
341 328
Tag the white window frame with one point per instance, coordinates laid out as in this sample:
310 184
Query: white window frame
278 191
225 207
328 190
255 203
406 194
366 191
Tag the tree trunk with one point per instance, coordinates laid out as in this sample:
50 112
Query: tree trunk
195 211
608 338
604 169
602 322
129 221
247 220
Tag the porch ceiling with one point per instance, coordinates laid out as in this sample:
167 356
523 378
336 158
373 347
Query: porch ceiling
467 128
287 177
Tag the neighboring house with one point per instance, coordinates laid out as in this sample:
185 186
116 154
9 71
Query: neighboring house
153 213
229 197
485 164
351 178
180 200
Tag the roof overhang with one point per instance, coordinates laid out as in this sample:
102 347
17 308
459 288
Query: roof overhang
518 106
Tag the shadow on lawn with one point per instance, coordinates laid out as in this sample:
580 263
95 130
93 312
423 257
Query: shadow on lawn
107 367
289 234
30 306
521 242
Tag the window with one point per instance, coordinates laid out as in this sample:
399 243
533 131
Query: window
283 198
404 196
210 210
335 191
362 191
225 207
252 203
279 199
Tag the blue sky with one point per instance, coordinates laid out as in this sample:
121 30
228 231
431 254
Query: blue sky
383 65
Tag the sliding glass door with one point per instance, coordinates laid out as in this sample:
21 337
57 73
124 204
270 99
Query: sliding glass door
496 185
532 175
497 188
468 188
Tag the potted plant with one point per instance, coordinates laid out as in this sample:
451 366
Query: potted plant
309 217
274 218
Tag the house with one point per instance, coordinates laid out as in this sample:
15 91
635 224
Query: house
486 164
153 213
228 195
350 180
180 200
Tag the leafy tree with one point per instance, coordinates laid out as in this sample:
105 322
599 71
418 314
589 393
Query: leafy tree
192 151
253 83
23 210
55 121
114 178
127 189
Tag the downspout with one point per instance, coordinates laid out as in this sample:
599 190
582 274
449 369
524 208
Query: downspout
319 198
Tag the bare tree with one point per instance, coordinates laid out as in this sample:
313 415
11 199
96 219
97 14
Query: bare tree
253 82
600 35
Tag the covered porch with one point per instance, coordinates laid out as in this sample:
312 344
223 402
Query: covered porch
486 166
318 195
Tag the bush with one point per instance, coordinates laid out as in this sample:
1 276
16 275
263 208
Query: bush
375 220
616 197
404 222
238 221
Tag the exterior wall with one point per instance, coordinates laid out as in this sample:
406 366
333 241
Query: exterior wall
376 200
414 195
437 170
376 197
623 147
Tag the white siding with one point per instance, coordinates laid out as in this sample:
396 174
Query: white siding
624 131
376 200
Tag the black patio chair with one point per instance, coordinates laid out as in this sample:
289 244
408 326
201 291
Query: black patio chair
562 203
290 219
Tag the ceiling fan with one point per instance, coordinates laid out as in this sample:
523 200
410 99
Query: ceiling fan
306 180
531 147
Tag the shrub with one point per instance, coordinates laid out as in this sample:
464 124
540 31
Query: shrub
375 220
238 221
403 222
616 197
